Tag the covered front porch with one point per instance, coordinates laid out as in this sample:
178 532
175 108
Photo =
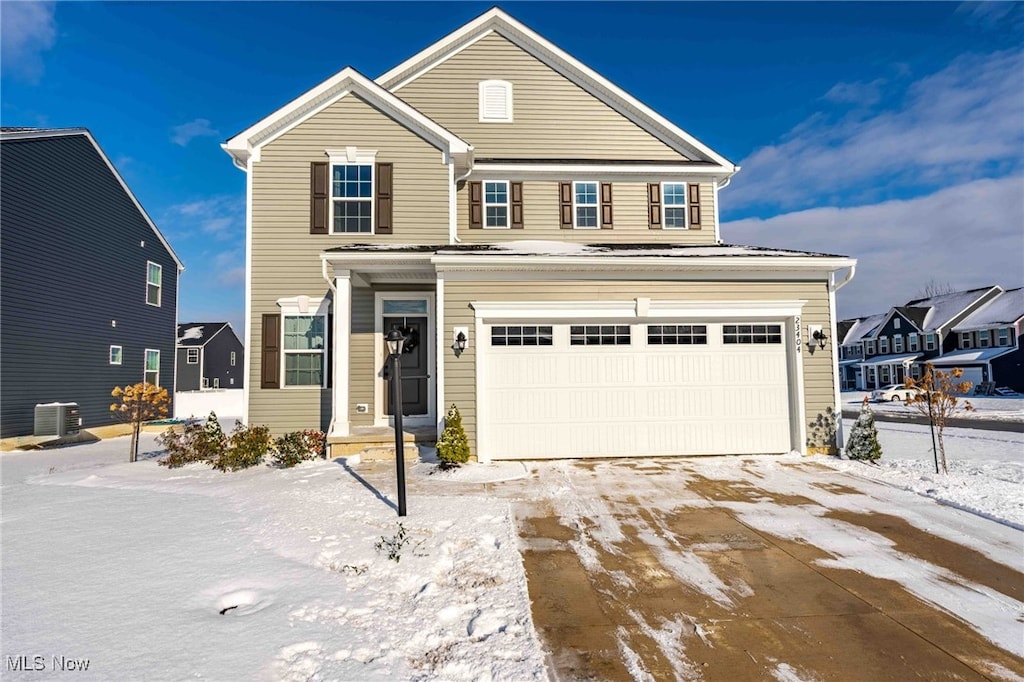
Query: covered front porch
887 369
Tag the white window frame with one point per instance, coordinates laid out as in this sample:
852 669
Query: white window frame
206 382
913 343
484 116
120 355
145 365
931 341
352 156
596 205
883 345
234 358
869 347
984 338
895 323
507 204
966 342
188 356
665 207
304 351
216 380
159 284
897 343
1004 335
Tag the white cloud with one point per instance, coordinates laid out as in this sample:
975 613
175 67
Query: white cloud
969 235
27 29
229 268
187 132
221 217
957 124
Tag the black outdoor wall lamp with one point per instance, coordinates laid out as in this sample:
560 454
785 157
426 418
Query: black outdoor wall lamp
819 337
460 344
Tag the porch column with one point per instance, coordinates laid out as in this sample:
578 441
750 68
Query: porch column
340 340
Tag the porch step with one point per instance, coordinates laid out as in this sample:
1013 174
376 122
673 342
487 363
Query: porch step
376 442
386 453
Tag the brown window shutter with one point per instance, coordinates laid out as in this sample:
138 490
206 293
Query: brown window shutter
565 204
693 199
516 190
270 359
476 205
606 205
319 196
385 175
654 205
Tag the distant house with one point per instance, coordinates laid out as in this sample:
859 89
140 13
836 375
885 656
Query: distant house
850 335
989 343
88 285
209 356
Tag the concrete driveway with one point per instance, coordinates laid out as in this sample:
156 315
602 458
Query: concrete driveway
731 569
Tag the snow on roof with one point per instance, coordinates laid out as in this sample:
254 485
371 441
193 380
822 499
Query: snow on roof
945 307
1004 309
862 328
890 359
968 356
197 333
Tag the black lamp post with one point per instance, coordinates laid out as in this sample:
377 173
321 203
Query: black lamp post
395 341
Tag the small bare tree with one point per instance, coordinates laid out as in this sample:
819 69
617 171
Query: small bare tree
939 402
136 404
933 287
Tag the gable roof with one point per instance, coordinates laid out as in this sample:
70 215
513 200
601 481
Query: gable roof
942 309
247 143
196 334
30 134
1005 309
497 21
861 328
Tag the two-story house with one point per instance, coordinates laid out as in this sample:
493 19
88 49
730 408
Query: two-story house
850 338
917 333
989 343
209 356
493 189
113 323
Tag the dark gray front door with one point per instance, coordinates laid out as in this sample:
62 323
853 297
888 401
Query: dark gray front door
415 371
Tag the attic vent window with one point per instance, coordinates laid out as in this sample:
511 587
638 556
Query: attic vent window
495 102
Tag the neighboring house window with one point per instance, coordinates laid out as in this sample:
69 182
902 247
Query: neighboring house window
965 340
895 323
751 333
897 343
526 335
192 356
984 339
673 202
883 375
869 347
599 335
233 358
915 371
1004 337
883 345
496 204
930 341
216 382
673 334
154 282
871 376
152 371
585 204
304 348
206 382
495 101
352 197
115 355
913 343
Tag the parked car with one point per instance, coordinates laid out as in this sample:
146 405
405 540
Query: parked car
894 392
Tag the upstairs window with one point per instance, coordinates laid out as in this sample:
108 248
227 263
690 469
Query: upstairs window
352 197
895 323
930 341
154 282
883 345
897 343
233 358
965 340
585 204
192 356
496 204
869 347
495 101
913 344
673 202
1004 337
984 339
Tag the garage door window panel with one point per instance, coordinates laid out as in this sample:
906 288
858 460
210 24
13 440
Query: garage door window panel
522 335
761 334
599 335
677 334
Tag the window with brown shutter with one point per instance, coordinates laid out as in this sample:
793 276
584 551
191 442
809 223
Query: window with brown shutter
319 197
654 205
606 205
270 359
694 200
565 205
385 172
516 192
476 206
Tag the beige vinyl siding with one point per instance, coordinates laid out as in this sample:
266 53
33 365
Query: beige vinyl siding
629 218
460 375
286 258
552 117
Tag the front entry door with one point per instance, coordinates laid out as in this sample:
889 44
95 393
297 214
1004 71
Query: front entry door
415 371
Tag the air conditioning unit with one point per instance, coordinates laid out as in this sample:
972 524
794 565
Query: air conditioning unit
57 419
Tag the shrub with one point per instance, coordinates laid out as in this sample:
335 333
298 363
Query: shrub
197 442
453 447
821 433
247 446
298 446
138 403
863 444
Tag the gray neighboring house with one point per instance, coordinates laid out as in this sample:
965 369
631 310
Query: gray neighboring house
88 285
209 356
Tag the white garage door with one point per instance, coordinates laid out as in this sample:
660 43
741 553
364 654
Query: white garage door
606 390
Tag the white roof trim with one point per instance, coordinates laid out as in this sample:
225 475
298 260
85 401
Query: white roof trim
69 132
495 20
608 262
873 334
347 81
636 308
890 359
697 172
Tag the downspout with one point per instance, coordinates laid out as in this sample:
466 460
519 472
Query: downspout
833 287
454 237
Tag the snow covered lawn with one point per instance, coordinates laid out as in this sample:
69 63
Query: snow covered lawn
1002 408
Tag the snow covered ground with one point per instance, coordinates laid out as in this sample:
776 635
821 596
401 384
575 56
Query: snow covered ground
1002 408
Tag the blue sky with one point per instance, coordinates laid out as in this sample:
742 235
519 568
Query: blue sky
892 132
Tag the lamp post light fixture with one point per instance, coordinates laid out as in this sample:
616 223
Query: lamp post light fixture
395 340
